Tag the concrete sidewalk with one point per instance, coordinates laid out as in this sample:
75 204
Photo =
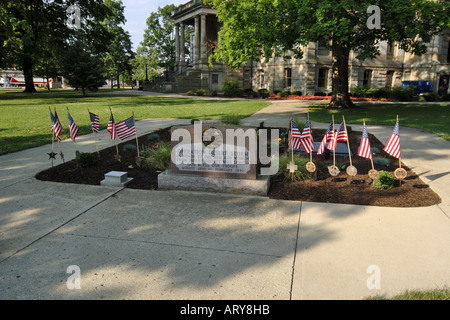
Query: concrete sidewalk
137 244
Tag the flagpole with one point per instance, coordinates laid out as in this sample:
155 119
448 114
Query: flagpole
115 138
73 138
348 143
334 141
53 138
59 144
371 158
137 141
95 136
310 128
292 146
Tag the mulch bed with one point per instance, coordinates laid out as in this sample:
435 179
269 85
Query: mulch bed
412 192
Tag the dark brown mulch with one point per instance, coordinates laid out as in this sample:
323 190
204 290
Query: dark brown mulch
412 192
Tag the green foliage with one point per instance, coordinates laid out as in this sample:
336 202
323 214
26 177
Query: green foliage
300 174
153 137
402 94
297 93
282 94
263 93
129 148
200 92
212 93
231 88
431 96
385 181
360 91
234 119
86 160
190 93
159 158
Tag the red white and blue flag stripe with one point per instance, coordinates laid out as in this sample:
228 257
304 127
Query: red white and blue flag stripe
340 135
393 145
73 129
294 141
112 127
307 138
126 128
325 139
364 148
95 122
56 125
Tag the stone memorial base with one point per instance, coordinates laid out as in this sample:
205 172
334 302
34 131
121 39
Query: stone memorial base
171 181
116 179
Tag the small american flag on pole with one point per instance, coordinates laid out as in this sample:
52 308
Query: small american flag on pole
307 138
364 148
73 129
325 139
56 125
340 135
126 128
112 127
95 122
294 141
393 145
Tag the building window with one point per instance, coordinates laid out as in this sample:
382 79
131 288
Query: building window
287 77
390 48
214 78
323 78
389 79
367 77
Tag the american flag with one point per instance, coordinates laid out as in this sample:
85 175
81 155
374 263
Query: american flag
112 127
364 148
307 138
340 135
393 145
294 141
73 129
95 122
56 125
325 139
126 128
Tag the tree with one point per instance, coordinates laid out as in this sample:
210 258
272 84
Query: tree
33 26
144 64
82 68
260 28
159 39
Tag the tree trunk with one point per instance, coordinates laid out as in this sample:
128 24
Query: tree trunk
118 81
340 97
27 69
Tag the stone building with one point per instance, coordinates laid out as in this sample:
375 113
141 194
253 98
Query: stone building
310 75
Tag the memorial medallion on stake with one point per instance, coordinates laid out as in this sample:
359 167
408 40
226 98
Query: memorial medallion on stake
352 171
400 173
373 174
311 167
333 170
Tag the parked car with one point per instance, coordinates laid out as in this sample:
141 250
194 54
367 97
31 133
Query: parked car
421 86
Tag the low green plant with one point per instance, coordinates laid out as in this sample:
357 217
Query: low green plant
360 91
339 165
300 174
385 181
160 157
129 148
231 88
233 119
212 93
200 92
190 93
263 93
153 137
381 162
297 93
86 160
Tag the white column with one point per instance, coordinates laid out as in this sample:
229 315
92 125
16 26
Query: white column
203 58
197 41
177 46
182 46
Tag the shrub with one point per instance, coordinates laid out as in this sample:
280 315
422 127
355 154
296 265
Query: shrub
385 181
379 93
231 88
297 93
282 94
360 91
153 137
430 96
190 93
129 148
200 92
320 94
381 162
402 94
86 160
160 158
300 174
446 97
212 93
263 93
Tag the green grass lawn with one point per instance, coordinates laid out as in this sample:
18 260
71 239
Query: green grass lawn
433 118
25 118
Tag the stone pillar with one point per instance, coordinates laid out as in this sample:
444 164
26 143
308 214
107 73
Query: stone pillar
203 58
177 46
197 42
182 48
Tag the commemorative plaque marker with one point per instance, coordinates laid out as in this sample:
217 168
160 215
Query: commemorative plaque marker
214 151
